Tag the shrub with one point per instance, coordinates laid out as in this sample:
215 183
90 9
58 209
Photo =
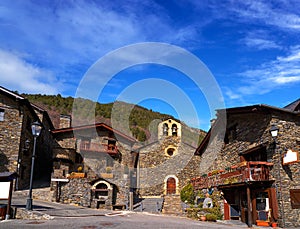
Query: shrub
211 217
192 213
216 211
187 194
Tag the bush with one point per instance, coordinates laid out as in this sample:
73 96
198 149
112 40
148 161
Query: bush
192 213
214 211
211 217
187 194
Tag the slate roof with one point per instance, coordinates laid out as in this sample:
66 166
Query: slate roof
294 106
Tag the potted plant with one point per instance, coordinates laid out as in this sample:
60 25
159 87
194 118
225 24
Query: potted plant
202 218
215 172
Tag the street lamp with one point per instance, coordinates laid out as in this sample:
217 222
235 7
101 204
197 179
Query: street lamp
36 128
274 132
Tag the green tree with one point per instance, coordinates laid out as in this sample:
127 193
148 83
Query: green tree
187 194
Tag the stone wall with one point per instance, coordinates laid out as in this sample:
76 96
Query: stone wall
15 129
252 129
97 166
65 121
10 133
155 165
76 191
287 176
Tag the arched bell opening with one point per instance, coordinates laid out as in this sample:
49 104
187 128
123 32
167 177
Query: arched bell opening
174 130
165 129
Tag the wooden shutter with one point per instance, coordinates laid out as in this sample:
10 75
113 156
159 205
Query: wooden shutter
273 203
295 198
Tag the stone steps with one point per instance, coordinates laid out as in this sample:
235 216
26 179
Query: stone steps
172 205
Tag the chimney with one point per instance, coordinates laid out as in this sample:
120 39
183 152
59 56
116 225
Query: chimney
65 121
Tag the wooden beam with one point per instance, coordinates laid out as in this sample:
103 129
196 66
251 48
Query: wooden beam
249 206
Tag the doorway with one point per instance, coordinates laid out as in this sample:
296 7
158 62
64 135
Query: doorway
171 186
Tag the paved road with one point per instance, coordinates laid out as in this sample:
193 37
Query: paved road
66 216
121 220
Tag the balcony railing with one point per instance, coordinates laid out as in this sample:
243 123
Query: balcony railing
98 147
243 172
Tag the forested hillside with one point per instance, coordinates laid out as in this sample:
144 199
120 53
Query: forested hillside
141 121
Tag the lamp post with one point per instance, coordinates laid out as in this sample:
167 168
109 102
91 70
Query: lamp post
274 132
36 128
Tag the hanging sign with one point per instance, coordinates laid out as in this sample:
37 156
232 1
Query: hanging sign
290 157
4 190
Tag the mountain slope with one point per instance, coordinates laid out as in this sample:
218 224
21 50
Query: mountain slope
140 121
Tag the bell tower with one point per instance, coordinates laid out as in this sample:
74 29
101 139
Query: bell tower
170 128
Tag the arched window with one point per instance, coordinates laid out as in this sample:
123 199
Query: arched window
171 185
174 130
165 129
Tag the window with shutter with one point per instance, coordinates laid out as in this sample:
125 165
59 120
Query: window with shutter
295 198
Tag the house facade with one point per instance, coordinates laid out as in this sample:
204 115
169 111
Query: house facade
259 175
92 166
16 140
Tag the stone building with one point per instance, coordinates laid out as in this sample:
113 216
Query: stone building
16 140
92 165
258 174
165 166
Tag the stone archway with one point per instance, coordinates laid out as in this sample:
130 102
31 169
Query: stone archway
102 194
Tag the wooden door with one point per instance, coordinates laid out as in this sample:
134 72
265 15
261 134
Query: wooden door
171 186
260 205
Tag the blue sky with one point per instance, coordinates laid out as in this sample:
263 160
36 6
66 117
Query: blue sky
251 47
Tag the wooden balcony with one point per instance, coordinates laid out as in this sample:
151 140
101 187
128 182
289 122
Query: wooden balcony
242 172
99 148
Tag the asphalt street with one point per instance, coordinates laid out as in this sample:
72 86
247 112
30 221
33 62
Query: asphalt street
68 216
117 220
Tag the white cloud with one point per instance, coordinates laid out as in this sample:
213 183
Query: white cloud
280 15
294 56
17 74
231 94
79 32
284 71
285 80
260 43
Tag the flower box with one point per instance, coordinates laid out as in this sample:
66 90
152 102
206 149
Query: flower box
107 175
76 175
262 223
